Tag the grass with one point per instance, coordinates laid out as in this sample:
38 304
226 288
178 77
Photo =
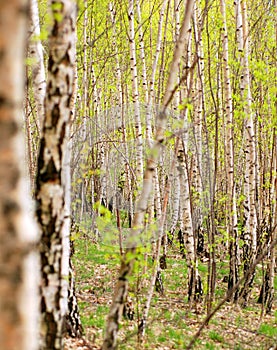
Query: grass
268 330
172 319
213 335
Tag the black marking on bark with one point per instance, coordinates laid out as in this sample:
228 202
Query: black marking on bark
56 71
66 59
51 330
50 84
51 173
73 324
58 294
67 79
62 135
57 91
10 207
50 65
40 160
68 101
55 29
42 304
55 114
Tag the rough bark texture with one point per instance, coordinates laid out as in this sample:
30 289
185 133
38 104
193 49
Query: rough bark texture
73 320
50 192
18 262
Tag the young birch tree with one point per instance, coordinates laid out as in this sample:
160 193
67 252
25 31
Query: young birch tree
19 262
35 51
135 93
232 219
52 206
250 226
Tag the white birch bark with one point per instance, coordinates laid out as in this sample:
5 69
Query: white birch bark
200 102
52 192
19 263
142 52
151 96
73 320
85 75
128 191
135 93
250 227
232 220
35 50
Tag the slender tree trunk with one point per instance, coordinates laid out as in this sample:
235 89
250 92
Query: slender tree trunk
135 93
232 219
35 51
52 186
266 296
195 289
73 319
19 261
156 267
35 89
250 227
127 166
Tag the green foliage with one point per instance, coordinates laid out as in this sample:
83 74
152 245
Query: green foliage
104 142
269 330
215 336
171 322
95 319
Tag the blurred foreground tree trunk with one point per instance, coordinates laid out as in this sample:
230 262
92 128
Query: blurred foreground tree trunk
18 260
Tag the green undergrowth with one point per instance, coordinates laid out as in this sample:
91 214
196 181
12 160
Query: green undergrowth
173 320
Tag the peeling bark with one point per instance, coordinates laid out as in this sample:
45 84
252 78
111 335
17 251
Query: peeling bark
50 184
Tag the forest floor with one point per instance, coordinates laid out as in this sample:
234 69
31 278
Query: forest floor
172 320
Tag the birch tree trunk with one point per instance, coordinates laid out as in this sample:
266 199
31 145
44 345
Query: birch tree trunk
35 55
195 289
73 320
51 191
250 227
232 219
266 296
19 262
135 93
35 51
119 83
126 268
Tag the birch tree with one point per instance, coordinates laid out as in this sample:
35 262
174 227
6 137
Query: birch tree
38 84
18 235
135 92
250 227
35 50
232 219
52 207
